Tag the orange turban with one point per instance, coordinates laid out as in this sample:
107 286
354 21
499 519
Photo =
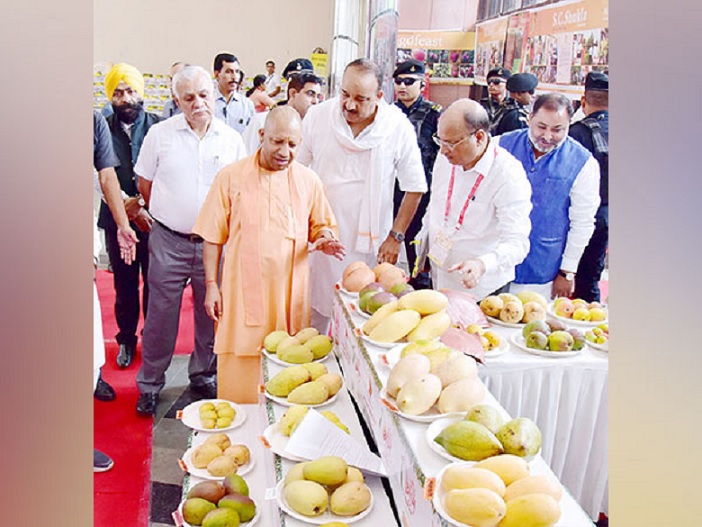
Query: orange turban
124 72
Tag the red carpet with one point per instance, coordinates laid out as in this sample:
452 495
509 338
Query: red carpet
121 495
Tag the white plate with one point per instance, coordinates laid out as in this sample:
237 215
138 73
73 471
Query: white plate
584 323
429 416
205 474
499 322
249 523
338 287
438 498
602 347
278 442
519 341
274 358
499 350
354 307
323 518
284 400
191 416
435 428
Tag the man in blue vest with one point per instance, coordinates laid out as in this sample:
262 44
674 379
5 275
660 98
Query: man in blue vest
565 181
593 133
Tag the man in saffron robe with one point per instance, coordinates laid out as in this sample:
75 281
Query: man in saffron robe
265 208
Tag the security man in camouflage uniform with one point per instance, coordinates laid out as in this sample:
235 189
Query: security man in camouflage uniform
514 112
497 91
424 115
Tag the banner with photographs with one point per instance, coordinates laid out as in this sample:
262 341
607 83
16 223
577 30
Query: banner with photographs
489 47
561 45
448 55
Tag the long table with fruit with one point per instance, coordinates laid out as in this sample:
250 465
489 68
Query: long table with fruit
238 471
409 359
565 392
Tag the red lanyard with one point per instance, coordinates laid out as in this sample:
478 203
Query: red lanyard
471 195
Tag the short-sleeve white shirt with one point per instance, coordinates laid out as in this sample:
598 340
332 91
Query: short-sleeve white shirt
182 167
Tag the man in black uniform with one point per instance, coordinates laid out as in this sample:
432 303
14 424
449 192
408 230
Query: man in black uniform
593 133
424 116
128 125
497 91
514 112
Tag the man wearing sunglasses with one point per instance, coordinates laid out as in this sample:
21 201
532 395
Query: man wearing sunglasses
424 116
497 91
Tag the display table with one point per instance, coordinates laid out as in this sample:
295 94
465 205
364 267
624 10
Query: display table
270 468
401 443
567 398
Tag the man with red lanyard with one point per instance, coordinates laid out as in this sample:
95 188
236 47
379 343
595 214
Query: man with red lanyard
477 223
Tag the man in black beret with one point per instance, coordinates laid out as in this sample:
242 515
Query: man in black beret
497 90
593 133
298 66
424 116
514 111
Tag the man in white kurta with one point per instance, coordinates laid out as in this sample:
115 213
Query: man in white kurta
489 238
359 145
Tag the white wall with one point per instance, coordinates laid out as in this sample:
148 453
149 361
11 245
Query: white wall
152 34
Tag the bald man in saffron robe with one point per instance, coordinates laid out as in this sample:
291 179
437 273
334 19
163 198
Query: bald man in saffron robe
266 209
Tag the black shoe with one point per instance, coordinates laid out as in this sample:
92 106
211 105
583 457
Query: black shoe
125 355
146 405
101 461
103 391
205 391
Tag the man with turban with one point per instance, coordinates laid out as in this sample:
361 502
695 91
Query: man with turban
128 125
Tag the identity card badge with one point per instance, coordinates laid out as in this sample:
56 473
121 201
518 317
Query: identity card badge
440 249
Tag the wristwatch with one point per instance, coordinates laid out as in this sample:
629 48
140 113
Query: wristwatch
398 236
141 201
567 275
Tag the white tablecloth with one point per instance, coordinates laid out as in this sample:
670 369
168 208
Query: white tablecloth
567 398
401 442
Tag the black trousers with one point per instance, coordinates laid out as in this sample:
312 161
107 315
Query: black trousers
592 262
126 282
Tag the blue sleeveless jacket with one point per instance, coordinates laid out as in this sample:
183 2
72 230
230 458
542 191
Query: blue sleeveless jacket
551 177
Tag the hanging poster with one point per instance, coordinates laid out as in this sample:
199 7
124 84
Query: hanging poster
564 43
489 46
448 55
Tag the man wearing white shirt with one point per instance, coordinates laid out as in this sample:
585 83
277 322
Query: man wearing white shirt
176 166
274 88
359 145
565 182
477 222
232 107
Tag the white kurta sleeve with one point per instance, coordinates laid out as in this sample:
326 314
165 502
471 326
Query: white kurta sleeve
410 171
584 200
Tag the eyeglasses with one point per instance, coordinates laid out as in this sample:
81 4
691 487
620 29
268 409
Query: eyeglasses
496 81
450 146
407 81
